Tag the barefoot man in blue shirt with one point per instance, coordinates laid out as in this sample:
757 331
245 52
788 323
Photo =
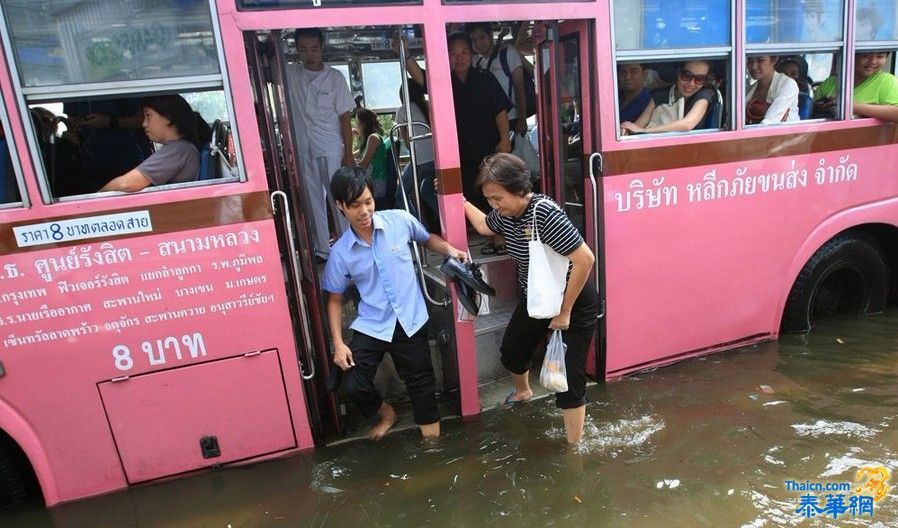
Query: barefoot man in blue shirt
392 316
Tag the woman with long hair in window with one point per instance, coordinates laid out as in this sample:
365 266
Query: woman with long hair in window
170 121
682 107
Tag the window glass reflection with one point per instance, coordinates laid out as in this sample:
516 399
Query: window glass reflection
653 24
875 20
793 21
103 40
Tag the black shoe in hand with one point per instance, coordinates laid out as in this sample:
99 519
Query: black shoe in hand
469 274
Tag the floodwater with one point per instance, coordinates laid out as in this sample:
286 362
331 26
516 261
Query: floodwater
706 442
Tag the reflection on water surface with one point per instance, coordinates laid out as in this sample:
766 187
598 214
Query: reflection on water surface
707 442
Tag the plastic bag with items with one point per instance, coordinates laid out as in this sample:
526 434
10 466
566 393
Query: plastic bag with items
553 375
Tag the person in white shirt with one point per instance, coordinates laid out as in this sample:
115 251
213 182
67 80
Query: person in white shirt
321 104
773 98
489 58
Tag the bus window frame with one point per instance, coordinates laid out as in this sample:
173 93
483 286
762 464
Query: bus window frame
679 54
220 81
24 199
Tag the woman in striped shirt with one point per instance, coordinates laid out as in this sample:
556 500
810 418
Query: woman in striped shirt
505 182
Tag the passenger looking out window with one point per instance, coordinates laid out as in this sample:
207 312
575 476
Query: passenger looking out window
682 107
633 96
321 102
506 65
773 97
169 120
875 91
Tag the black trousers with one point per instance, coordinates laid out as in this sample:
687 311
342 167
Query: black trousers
411 355
524 333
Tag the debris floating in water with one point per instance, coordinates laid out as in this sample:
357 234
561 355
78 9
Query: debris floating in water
579 501
766 389
670 483
840 341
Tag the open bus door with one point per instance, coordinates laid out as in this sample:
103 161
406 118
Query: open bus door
266 61
567 125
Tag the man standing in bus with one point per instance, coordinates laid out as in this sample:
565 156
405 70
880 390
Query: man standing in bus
321 102
392 315
481 112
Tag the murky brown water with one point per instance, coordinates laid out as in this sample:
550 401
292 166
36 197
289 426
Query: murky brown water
707 442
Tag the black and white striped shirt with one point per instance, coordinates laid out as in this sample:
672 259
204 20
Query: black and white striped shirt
555 230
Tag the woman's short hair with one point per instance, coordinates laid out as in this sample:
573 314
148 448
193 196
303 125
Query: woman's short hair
348 183
507 171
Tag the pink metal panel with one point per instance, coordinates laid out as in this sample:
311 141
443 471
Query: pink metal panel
79 315
706 255
158 419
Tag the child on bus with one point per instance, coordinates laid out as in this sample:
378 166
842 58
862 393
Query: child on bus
374 254
875 91
169 120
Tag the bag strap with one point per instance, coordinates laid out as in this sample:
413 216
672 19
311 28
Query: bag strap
535 207
503 60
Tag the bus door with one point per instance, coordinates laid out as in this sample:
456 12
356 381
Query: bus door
267 66
568 139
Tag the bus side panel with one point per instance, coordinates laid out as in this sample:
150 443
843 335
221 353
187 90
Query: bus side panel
84 314
703 256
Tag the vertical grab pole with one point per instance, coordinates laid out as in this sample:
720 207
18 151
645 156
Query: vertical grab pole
595 224
297 276
406 101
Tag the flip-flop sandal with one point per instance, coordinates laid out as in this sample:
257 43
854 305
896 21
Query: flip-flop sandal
511 403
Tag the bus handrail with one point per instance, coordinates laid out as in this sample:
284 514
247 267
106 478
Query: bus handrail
595 223
297 276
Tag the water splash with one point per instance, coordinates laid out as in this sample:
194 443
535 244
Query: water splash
826 428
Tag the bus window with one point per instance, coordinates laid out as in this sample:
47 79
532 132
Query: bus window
293 4
86 143
793 21
87 115
667 96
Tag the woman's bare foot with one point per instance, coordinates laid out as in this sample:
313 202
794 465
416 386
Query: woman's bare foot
387 419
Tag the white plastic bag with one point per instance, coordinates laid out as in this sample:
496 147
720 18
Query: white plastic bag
553 375
522 148
546 277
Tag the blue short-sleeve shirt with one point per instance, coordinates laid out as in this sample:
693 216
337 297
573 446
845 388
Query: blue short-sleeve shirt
384 274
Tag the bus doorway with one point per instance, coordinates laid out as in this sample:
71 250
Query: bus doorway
569 146
369 63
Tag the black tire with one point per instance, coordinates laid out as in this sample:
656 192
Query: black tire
12 483
848 275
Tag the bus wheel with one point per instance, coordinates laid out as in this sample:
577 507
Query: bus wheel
848 275
12 482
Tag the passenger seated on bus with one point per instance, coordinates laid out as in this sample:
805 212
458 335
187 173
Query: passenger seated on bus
797 68
773 98
875 91
169 120
109 137
392 316
633 96
372 153
680 108
420 111
506 65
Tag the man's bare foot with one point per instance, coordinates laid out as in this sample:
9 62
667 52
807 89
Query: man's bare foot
387 419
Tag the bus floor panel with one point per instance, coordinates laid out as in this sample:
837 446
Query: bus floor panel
494 393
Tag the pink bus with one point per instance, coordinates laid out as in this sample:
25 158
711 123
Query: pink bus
151 334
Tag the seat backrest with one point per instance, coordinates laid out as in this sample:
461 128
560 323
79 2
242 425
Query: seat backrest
714 119
805 105
211 152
